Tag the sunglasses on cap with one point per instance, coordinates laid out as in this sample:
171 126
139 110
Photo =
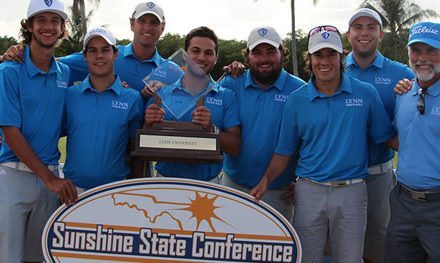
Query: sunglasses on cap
319 29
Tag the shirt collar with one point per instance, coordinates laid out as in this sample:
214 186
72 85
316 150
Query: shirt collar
377 62
116 86
178 86
279 83
345 86
32 70
156 58
433 90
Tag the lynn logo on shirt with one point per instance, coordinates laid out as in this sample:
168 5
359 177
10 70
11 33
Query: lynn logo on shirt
353 102
214 101
120 105
280 97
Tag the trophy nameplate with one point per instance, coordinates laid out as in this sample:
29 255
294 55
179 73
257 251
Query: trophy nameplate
177 140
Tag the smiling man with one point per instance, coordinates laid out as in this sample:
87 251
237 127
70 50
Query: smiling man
414 230
262 92
366 63
31 106
220 106
329 122
100 118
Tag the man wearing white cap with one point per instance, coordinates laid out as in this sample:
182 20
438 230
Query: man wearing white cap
31 106
414 230
102 113
329 122
262 92
366 63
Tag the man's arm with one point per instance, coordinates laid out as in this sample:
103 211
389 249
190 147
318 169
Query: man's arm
277 165
230 141
64 188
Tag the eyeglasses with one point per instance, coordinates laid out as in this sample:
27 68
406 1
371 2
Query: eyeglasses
421 101
318 29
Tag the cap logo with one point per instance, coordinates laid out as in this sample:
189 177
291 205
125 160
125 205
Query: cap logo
150 5
48 2
325 35
262 32
424 29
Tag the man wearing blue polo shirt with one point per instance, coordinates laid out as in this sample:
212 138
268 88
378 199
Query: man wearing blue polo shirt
366 63
329 122
31 106
137 59
414 230
100 117
262 92
220 106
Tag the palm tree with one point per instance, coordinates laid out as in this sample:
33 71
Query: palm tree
397 16
79 17
293 48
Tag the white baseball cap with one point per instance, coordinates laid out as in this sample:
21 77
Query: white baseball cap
265 34
367 13
149 8
324 37
39 6
100 32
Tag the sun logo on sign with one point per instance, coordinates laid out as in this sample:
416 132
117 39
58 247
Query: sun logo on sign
202 209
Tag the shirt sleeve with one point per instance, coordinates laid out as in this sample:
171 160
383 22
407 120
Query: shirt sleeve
78 66
10 106
136 116
288 134
380 126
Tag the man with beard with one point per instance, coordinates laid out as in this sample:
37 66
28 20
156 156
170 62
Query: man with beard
220 106
31 107
366 63
329 122
262 92
413 232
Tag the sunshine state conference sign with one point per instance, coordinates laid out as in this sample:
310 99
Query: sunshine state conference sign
168 220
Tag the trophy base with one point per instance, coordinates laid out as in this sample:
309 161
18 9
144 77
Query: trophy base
178 142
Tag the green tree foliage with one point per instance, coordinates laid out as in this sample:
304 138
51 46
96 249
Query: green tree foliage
6 42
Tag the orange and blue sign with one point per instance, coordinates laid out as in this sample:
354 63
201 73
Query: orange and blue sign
168 220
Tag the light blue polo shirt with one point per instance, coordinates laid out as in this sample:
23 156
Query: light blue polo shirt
129 68
383 74
331 132
33 101
98 127
260 117
223 105
418 166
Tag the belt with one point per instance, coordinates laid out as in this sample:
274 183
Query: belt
418 195
380 168
22 167
336 183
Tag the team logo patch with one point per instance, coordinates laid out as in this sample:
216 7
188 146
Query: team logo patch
150 5
354 102
262 32
168 220
48 2
325 35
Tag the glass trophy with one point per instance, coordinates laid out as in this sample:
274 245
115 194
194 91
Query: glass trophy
179 86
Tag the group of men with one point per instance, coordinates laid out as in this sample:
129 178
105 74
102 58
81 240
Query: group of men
330 133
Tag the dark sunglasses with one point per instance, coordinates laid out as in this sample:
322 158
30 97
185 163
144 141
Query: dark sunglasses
421 101
319 29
